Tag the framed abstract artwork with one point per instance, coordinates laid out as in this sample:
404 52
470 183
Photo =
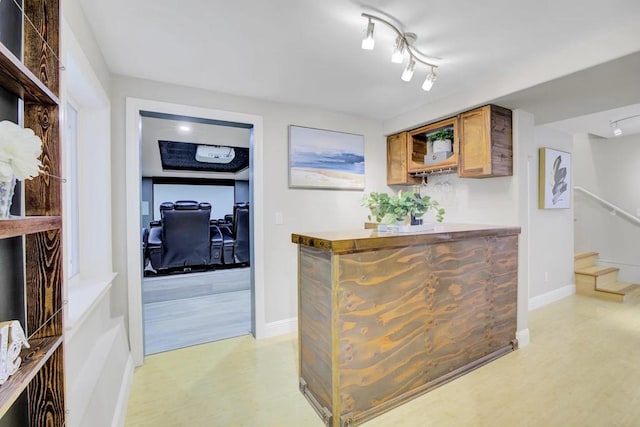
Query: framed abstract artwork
325 159
554 179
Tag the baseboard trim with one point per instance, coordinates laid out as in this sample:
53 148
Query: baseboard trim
120 413
281 327
553 296
523 338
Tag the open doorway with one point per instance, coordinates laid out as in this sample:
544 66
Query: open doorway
195 216
136 108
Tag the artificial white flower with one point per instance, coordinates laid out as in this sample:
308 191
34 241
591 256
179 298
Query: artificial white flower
20 150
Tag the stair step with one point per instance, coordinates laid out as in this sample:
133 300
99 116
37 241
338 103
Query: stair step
596 270
584 259
619 288
580 255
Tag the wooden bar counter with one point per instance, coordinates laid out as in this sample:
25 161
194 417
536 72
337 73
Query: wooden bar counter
386 317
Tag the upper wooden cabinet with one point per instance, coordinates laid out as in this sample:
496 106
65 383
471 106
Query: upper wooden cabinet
486 148
397 159
407 152
421 147
482 147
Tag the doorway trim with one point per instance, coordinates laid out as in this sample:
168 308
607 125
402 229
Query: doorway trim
133 153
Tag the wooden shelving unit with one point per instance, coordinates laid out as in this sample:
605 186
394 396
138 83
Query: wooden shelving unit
35 80
32 361
27 225
17 79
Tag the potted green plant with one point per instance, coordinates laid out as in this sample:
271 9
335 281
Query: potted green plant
441 140
386 209
442 134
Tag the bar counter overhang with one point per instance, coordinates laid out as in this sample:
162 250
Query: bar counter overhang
385 317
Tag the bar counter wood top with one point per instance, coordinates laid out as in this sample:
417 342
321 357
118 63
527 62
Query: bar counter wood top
384 317
341 242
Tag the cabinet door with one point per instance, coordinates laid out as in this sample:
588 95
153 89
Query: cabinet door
397 159
475 146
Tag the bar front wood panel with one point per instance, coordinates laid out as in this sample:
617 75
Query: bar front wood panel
315 339
404 320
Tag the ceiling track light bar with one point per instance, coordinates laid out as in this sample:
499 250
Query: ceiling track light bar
617 131
406 39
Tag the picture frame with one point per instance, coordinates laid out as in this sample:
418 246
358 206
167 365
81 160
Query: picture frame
554 179
325 159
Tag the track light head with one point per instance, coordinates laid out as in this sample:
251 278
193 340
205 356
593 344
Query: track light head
368 41
398 51
617 131
430 80
407 74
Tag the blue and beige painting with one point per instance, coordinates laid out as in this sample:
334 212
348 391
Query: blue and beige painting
325 159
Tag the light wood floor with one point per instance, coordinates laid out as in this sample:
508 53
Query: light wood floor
188 309
582 368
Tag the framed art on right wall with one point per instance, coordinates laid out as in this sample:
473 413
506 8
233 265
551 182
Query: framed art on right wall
554 179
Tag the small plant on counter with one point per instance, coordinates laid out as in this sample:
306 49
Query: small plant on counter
386 209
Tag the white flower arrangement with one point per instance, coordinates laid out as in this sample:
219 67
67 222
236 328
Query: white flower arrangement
20 150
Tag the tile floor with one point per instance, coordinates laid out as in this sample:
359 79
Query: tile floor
582 368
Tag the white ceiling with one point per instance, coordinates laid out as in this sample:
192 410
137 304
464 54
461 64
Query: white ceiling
155 129
600 124
307 52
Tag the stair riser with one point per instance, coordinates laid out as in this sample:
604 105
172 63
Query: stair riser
585 285
584 262
598 281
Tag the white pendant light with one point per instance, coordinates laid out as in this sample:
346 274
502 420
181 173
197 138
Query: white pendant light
398 51
407 74
430 80
368 42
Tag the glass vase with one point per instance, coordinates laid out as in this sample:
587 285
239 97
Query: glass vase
6 196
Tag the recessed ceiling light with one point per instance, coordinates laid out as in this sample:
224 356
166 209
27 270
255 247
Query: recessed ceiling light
184 128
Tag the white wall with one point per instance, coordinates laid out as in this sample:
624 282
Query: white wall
302 210
551 261
609 168
75 18
99 368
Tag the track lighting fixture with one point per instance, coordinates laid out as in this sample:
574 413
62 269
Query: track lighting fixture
617 130
403 48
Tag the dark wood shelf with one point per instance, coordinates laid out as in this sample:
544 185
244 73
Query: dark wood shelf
33 359
17 226
19 80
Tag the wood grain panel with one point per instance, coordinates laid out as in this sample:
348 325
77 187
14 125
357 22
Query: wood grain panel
46 394
43 193
19 80
408 319
315 324
382 306
33 359
17 226
501 141
43 278
341 242
41 41
397 159
486 146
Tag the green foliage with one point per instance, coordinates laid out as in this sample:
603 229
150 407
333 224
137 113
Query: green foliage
441 134
387 209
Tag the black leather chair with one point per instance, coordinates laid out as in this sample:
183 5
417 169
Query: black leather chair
182 238
236 247
242 249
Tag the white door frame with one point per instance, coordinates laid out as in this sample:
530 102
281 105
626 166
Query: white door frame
133 196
